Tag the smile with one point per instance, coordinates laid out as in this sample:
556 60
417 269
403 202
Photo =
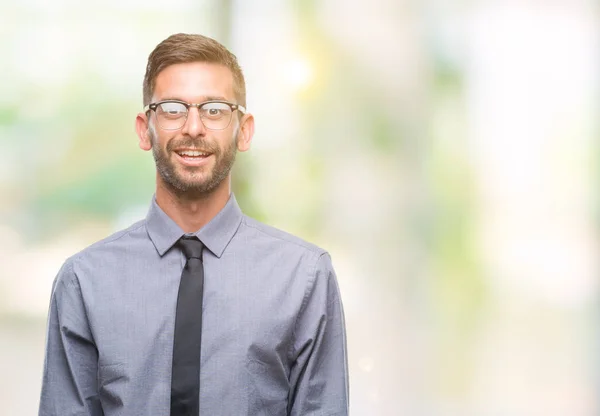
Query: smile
192 157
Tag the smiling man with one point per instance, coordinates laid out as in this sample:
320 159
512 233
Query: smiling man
197 309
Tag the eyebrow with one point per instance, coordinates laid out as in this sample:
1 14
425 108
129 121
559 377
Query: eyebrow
204 98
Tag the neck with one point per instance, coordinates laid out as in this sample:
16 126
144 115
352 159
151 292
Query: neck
192 212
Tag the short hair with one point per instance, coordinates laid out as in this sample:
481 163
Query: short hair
184 48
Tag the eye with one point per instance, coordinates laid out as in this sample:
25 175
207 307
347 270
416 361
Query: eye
215 111
170 109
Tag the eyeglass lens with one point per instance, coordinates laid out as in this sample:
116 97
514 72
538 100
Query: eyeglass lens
173 115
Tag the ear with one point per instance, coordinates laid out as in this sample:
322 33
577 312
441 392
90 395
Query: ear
141 127
245 133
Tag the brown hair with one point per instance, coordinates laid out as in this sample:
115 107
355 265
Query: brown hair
183 48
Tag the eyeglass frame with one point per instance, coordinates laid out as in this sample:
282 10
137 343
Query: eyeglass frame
233 106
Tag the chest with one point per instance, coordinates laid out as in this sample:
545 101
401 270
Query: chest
249 310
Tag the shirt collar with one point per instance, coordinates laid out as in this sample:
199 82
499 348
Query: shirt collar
215 235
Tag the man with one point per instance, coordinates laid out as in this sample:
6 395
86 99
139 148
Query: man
197 309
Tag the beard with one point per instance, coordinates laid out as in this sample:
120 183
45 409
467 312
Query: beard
195 182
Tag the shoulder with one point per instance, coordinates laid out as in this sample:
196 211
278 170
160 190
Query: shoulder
265 234
126 236
284 251
115 245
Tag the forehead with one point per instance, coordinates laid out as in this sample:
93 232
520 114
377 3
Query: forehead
194 82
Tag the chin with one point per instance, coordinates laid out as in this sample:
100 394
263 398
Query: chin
206 186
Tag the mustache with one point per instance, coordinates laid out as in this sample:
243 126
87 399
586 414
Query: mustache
188 142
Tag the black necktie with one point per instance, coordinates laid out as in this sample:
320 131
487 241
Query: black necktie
185 381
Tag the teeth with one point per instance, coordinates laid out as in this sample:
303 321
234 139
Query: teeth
192 153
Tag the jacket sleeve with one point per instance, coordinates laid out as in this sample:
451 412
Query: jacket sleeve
69 383
319 374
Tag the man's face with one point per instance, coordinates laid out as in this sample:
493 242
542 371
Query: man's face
178 163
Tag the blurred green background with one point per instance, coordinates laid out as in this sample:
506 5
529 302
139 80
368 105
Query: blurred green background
444 152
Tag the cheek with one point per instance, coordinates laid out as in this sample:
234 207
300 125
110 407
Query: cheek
232 137
224 140
158 138
160 142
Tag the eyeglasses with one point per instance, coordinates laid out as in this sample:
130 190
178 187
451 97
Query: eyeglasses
172 114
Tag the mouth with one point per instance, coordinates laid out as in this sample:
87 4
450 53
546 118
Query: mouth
192 157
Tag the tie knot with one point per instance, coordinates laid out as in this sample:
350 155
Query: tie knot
191 247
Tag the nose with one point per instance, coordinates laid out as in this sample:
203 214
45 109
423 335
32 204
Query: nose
193 126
